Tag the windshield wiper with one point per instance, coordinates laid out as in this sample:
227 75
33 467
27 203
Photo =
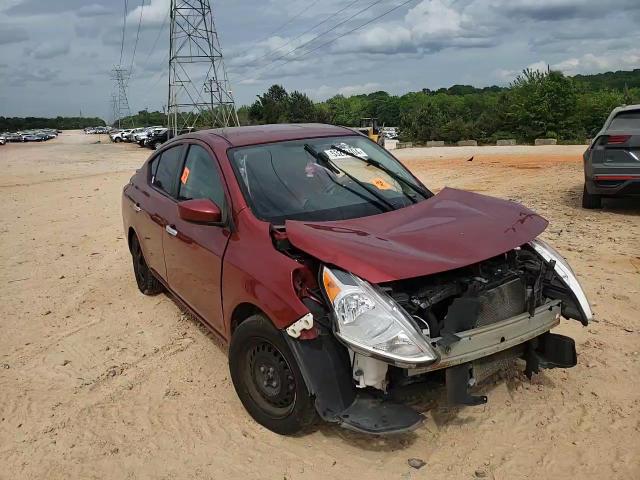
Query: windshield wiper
382 202
391 173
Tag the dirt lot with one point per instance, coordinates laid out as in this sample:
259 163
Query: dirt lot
98 381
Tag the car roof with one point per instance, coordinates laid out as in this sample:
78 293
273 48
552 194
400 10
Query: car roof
256 134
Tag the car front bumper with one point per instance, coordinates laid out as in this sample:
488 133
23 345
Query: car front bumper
493 338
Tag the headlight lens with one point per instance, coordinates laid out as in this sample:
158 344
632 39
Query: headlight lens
564 270
372 322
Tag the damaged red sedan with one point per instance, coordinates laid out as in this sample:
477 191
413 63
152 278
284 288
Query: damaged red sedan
339 279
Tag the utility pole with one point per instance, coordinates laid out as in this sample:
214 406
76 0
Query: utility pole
198 82
121 77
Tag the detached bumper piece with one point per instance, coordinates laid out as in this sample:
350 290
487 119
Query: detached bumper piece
379 417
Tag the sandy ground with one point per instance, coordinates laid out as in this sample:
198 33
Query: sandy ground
98 381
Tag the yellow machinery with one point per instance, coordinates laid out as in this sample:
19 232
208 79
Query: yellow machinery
369 127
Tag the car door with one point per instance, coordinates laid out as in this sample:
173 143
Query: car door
155 202
194 252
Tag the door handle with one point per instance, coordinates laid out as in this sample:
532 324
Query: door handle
136 207
171 231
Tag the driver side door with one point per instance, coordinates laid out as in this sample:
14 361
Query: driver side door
194 252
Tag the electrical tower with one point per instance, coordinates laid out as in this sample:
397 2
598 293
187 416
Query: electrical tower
199 89
120 75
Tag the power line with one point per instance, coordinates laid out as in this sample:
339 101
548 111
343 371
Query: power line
155 42
135 45
373 4
305 9
331 15
341 35
124 28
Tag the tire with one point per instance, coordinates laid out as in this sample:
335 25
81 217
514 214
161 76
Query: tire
258 353
589 200
157 145
117 140
148 284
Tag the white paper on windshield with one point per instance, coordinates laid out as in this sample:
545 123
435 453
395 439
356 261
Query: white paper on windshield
338 155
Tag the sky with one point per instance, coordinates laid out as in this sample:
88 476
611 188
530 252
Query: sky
56 56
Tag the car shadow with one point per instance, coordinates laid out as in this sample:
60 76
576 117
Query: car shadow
619 205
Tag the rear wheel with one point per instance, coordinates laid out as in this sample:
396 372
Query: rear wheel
157 145
590 200
146 280
267 378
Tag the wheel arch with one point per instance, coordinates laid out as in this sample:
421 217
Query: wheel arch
241 312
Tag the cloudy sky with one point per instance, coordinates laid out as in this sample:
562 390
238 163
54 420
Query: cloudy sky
56 56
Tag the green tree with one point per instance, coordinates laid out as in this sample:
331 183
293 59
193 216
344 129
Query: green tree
275 105
301 108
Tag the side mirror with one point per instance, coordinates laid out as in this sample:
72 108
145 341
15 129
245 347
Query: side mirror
201 210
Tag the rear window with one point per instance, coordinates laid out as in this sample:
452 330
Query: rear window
626 120
165 170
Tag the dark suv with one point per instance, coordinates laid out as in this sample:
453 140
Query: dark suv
612 161
339 279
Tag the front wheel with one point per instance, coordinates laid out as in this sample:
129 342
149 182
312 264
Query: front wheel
590 200
267 378
157 145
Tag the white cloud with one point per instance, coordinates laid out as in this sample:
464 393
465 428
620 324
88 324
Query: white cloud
154 13
93 10
325 91
590 63
48 50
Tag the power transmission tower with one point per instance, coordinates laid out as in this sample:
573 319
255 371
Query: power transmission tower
199 89
120 75
114 108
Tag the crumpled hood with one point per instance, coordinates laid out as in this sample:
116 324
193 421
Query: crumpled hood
453 229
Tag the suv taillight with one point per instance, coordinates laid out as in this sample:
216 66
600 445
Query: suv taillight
617 139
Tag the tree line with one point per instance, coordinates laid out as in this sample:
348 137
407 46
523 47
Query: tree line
536 104
12 124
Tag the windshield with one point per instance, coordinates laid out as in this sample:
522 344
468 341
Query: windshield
629 120
285 180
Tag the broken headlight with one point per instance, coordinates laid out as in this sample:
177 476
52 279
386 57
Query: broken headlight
565 272
372 323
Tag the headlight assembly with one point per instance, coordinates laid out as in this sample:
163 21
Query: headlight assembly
372 323
565 272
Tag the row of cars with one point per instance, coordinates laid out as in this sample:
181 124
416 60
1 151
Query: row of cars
39 135
97 130
150 137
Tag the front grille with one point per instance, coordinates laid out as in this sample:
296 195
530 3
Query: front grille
502 302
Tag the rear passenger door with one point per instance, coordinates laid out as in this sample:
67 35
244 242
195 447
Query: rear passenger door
193 252
156 202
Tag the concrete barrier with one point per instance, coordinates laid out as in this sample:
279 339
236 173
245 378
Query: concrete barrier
405 144
546 141
506 142
390 144
435 143
467 143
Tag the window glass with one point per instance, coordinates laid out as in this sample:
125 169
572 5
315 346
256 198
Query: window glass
167 170
285 181
200 178
626 120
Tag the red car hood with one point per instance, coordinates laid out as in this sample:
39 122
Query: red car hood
453 229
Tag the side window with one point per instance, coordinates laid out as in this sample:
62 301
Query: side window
166 170
200 178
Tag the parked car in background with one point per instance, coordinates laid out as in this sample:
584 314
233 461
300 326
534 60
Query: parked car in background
118 135
156 138
140 137
32 137
612 161
390 132
129 135
3 140
343 278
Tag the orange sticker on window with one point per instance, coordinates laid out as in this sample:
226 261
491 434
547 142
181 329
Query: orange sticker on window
185 175
381 184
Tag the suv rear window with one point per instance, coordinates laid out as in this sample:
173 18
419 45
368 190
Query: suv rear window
626 120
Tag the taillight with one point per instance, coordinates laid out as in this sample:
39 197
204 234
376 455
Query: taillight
617 139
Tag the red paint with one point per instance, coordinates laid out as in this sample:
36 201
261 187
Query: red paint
199 210
617 139
615 177
218 270
451 230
